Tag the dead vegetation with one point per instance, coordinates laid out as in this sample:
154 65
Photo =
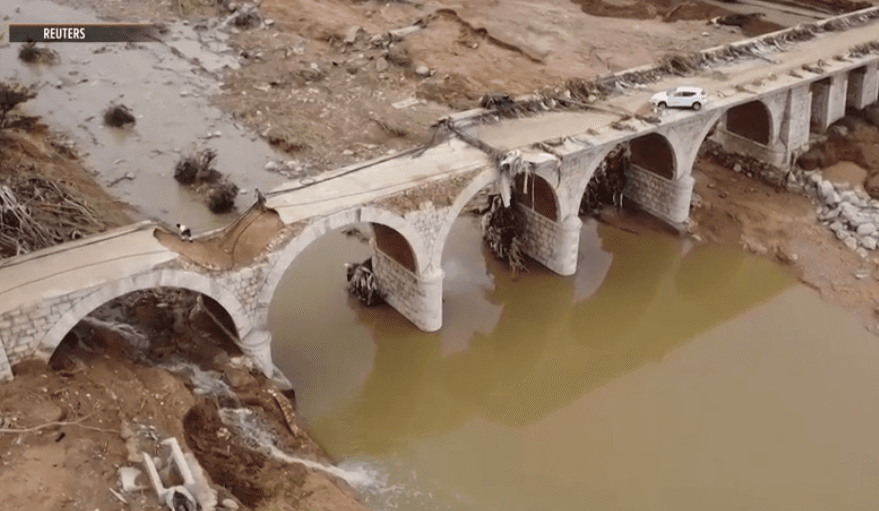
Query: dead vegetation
41 201
607 184
118 116
502 229
33 54
11 97
197 170
363 284
37 213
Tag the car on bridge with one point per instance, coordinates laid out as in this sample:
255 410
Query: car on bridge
684 96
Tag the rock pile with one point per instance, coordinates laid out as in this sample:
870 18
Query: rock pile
847 210
746 165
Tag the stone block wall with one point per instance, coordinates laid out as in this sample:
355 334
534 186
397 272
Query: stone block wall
835 109
22 329
246 284
429 222
863 86
795 124
550 243
418 298
666 199
733 142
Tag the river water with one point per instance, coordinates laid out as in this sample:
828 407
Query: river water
662 376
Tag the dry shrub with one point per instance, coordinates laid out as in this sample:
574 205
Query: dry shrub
32 54
221 198
197 168
11 96
118 116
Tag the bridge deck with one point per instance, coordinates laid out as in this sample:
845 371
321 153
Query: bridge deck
518 133
79 265
375 181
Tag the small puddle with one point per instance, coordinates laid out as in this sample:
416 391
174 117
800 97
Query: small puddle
167 85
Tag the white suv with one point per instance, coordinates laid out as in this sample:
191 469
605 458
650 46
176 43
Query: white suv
680 97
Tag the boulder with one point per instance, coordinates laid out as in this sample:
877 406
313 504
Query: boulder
868 243
851 243
866 229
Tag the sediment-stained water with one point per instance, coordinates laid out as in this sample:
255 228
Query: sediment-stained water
665 375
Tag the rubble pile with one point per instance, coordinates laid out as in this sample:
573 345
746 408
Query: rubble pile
847 210
748 166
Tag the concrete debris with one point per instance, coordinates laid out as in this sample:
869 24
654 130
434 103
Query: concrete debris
406 103
194 493
128 479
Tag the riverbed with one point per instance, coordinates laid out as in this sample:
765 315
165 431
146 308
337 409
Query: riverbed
664 375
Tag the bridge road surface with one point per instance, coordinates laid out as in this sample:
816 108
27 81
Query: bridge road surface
80 264
517 133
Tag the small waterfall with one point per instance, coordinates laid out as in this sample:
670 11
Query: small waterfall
256 435
253 433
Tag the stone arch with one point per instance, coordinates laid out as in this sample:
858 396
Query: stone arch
690 152
483 179
751 120
179 279
536 193
581 181
654 152
395 230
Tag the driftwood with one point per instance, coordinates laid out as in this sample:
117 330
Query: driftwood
363 284
36 213
502 229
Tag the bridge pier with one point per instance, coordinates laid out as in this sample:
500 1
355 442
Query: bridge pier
419 298
550 243
828 101
863 86
666 199
257 345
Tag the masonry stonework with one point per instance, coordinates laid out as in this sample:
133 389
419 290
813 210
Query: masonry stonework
418 298
668 200
775 154
795 126
552 244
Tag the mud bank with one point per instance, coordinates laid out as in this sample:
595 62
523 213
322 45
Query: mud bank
137 371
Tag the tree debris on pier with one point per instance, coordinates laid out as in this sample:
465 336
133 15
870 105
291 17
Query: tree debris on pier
502 229
607 184
363 284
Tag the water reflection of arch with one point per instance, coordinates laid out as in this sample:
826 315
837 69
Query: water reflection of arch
409 364
533 305
538 360
628 289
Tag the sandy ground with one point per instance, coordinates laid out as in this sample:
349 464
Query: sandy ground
67 428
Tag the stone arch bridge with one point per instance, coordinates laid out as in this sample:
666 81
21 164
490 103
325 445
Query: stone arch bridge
766 107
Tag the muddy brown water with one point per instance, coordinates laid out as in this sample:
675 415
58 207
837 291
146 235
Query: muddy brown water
167 87
664 375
